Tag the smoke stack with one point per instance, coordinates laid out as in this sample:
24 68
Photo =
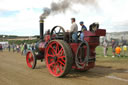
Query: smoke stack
42 17
41 28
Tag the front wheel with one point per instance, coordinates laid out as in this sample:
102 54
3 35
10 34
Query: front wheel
31 59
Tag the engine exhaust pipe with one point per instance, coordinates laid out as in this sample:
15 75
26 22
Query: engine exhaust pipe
41 28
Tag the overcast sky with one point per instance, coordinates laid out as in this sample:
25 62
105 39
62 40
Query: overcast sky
21 17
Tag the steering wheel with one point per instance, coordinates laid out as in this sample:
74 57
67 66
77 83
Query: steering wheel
78 34
57 32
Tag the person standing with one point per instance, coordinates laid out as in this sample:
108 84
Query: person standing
124 49
114 44
25 48
118 50
74 30
17 48
32 46
83 28
13 47
9 47
1 48
22 49
105 45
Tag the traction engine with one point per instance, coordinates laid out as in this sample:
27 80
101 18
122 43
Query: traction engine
61 54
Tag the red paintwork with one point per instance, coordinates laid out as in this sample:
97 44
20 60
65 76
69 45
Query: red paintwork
99 32
47 38
55 49
42 46
54 52
74 47
93 41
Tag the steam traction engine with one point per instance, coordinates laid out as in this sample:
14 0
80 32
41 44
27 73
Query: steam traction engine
61 54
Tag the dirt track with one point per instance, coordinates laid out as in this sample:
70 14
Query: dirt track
14 71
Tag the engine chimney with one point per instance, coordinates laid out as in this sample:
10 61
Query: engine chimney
41 28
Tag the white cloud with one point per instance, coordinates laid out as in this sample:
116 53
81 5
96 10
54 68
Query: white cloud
110 14
23 4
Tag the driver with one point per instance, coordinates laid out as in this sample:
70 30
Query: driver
73 30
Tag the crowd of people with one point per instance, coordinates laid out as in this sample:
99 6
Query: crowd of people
22 48
117 49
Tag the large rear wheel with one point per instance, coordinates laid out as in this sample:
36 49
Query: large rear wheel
58 58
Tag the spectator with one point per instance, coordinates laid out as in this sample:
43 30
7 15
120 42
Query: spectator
13 47
114 44
9 47
22 49
1 48
124 49
118 50
32 46
105 45
25 48
18 48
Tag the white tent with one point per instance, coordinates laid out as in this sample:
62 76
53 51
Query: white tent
4 44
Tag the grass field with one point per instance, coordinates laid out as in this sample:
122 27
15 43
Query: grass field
100 55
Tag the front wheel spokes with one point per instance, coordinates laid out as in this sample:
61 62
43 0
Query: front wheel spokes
51 64
30 56
31 59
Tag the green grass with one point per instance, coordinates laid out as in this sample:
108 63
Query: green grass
100 54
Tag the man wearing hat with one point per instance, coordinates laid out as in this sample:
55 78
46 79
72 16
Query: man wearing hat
74 30
83 28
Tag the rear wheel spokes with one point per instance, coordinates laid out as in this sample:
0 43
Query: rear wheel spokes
60 68
61 62
62 58
52 50
57 47
50 55
61 51
57 69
